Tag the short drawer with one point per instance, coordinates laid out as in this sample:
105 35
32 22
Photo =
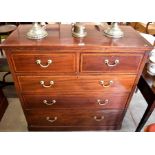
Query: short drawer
52 62
98 100
73 117
119 63
59 84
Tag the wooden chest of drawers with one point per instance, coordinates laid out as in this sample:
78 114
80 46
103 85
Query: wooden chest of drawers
65 85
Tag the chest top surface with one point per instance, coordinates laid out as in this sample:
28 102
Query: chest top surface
60 36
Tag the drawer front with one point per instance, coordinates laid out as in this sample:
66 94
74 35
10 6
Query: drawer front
73 117
59 84
100 100
59 62
73 128
110 63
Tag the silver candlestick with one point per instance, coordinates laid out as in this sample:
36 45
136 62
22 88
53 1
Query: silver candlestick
114 31
78 30
37 32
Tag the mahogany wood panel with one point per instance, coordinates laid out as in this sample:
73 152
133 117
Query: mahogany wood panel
71 117
74 128
61 62
100 100
96 62
121 83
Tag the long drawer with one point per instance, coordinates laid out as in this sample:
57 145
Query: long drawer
51 62
74 128
115 63
73 117
53 84
98 100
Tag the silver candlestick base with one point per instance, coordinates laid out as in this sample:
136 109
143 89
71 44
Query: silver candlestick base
36 32
114 31
78 30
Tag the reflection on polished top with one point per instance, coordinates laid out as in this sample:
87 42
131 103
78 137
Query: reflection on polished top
60 35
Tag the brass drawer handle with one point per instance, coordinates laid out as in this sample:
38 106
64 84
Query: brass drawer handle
51 103
43 84
98 118
111 65
103 83
44 66
51 120
102 102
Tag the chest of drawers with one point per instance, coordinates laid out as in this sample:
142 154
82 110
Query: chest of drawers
64 85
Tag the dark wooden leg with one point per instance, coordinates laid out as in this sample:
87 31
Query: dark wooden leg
146 116
3 104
